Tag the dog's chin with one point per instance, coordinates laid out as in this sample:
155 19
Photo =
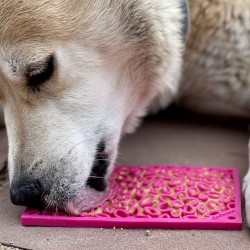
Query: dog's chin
87 200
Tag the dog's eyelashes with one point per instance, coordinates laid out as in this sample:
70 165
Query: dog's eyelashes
40 73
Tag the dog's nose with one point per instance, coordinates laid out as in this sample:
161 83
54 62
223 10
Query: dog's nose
26 193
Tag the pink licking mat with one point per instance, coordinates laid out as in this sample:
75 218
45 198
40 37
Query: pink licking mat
179 197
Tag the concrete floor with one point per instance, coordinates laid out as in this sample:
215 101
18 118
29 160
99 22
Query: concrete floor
180 138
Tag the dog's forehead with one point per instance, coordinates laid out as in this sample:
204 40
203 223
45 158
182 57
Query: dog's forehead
28 30
31 20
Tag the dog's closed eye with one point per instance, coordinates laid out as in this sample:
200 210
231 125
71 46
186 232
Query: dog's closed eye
39 73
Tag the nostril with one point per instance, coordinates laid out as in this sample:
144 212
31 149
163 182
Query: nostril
26 193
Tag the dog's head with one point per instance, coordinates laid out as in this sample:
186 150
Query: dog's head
75 76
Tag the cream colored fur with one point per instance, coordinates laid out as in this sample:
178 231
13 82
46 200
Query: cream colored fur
217 55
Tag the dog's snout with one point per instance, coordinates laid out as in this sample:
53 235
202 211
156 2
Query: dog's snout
26 193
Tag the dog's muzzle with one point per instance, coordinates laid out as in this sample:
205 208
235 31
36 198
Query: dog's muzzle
27 191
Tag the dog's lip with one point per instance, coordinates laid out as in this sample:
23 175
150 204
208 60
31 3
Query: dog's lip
88 199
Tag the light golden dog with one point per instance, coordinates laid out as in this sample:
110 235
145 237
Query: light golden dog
75 75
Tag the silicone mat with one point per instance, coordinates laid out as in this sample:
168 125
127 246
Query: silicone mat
177 197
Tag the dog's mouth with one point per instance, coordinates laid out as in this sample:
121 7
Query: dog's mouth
88 199
97 189
99 170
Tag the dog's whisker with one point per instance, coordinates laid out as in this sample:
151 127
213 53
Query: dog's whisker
96 177
44 192
101 159
75 147
48 205
122 157
52 155
56 147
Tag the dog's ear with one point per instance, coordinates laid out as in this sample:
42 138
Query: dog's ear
186 20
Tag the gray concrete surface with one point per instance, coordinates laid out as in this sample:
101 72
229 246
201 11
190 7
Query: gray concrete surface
168 138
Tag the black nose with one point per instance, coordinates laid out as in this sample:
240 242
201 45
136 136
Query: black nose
26 193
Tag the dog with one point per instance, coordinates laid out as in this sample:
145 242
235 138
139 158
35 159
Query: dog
77 75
